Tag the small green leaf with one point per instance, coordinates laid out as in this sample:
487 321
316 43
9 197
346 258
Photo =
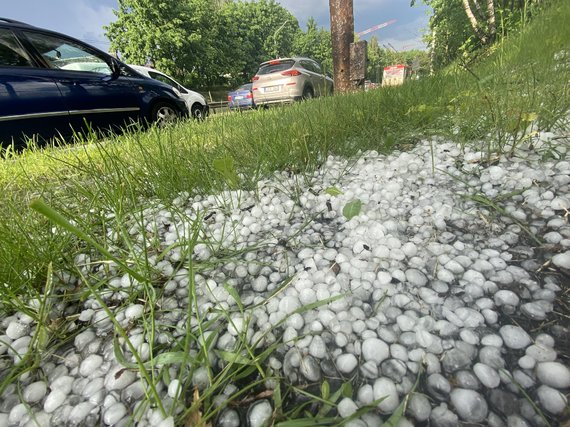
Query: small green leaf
232 357
325 390
347 390
333 191
529 117
225 166
352 209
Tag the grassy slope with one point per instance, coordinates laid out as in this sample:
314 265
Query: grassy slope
496 105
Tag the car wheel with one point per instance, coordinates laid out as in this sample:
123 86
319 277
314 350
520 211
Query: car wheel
198 112
308 93
163 114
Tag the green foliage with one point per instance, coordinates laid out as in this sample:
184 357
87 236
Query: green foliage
315 43
200 43
453 37
352 209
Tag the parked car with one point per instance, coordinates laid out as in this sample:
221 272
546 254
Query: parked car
52 84
241 98
196 103
288 80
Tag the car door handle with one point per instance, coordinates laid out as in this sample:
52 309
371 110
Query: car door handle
68 82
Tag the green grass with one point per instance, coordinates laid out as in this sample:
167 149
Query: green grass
93 193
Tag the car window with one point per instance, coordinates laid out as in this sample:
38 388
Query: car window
275 66
11 53
316 68
246 86
65 54
164 79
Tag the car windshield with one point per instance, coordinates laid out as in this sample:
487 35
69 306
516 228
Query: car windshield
275 66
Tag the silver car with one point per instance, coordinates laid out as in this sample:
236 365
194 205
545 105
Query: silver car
289 79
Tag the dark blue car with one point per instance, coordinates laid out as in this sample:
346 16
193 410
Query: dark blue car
54 85
241 98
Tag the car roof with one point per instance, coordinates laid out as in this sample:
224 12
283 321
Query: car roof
15 23
293 58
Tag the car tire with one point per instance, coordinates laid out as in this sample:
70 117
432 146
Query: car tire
308 93
198 112
163 113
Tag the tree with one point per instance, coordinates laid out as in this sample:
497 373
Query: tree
267 31
314 43
461 27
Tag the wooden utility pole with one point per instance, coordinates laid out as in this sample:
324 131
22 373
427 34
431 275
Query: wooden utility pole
342 33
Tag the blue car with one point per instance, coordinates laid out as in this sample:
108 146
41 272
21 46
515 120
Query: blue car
54 85
241 98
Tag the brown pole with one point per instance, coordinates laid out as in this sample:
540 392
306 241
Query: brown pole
342 33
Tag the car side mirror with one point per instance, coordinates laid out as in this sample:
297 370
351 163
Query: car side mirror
182 90
115 69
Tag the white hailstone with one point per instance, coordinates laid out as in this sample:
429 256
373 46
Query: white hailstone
533 310
471 318
54 400
560 203
405 323
317 348
93 387
35 392
295 321
259 413
551 399
385 389
487 375
168 422
174 389
346 363
80 412
118 378
17 330
424 338
237 325
5 343
375 350
474 277
469 404
541 353
259 284
562 260
419 407
290 335
340 340
416 278
365 395
63 383
544 340
114 413
514 337
527 362
469 336
553 374
289 304
505 297
346 407
134 311
90 364
17 413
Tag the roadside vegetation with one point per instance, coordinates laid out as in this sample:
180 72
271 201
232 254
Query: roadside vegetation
83 195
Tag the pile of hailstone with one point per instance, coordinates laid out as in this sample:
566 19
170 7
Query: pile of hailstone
437 276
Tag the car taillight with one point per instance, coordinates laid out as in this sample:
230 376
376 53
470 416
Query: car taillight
249 95
255 78
291 73
229 98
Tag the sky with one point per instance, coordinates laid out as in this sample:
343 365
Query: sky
84 19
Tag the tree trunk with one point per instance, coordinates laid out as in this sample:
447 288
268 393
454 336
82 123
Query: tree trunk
473 22
491 19
342 34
